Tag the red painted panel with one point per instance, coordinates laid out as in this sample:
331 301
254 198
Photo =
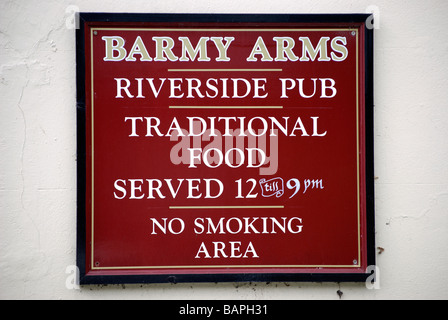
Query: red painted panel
150 210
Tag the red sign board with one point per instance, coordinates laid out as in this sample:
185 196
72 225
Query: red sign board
224 148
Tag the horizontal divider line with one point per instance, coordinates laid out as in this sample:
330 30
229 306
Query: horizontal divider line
226 70
227 207
226 107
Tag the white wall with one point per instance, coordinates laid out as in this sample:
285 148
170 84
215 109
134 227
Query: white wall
38 150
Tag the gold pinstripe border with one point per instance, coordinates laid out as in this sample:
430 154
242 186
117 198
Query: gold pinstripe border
93 267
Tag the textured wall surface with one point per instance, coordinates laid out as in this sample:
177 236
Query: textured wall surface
38 151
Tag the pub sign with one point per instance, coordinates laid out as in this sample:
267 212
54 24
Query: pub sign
224 148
